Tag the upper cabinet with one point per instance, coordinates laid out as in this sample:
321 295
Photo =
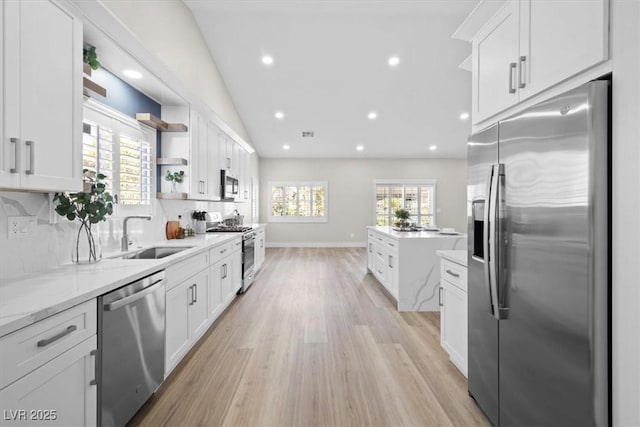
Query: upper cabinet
531 45
41 146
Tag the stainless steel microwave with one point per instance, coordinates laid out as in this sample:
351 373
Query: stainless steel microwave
228 185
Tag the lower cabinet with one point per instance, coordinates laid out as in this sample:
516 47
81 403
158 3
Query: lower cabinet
382 261
453 313
59 393
260 248
186 317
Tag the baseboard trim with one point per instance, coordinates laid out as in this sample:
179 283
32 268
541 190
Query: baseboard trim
316 244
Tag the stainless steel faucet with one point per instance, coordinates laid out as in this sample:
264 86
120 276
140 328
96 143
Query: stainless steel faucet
125 238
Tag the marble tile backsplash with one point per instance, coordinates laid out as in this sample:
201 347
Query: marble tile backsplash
51 246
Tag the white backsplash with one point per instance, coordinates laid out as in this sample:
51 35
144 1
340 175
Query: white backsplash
52 243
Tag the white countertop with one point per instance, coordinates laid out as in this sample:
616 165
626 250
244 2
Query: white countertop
459 257
413 234
30 298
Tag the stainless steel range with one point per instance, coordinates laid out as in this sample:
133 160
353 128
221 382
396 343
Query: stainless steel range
248 250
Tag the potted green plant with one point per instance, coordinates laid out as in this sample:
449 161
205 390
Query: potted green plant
88 208
201 221
402 217
174 178
90 57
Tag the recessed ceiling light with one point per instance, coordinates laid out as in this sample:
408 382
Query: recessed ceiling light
464 116
133 74
393 61
433 147
279 115
286 147
360 147
372 115
267 60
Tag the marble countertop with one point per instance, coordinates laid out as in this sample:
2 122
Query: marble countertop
459 257
28 299
412 234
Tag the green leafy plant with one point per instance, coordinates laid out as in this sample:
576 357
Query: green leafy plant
87 208
174 176
90 57
402 216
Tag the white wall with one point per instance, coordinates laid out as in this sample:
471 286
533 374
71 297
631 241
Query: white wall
167 29
625 39
351 196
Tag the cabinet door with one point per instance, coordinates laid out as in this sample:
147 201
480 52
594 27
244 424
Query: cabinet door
213 161
495 60
202 159
198 158
198 316
59 393
226 288
43 107
216 276
177 325
224 152
454 324
560 38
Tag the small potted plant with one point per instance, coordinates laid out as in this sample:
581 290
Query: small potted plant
201 221
90 57
402 217
174 178
88 208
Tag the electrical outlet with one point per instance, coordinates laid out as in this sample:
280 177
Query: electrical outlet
19 227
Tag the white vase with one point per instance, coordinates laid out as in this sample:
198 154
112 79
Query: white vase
86 246
201 227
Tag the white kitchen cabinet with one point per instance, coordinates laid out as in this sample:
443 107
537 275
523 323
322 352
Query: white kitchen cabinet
453 312
216 284
382 261
236 270
62 392
41 145
198 316
212 161
198 155
531 45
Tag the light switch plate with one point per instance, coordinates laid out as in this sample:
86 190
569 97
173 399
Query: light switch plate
19 227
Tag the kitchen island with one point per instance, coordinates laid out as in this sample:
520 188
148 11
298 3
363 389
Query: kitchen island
406 264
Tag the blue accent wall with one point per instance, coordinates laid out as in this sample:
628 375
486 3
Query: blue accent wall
122 96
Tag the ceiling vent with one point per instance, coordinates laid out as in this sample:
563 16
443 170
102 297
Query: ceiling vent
307 134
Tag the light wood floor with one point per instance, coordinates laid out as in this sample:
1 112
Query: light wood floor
315 342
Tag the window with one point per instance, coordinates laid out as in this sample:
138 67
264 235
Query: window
298 201
123 150
417 196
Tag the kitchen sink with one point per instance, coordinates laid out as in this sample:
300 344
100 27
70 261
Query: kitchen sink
156 252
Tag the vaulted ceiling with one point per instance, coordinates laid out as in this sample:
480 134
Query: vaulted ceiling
330 70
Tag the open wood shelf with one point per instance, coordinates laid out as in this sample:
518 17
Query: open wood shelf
172 196
171 161
90 87
159 124
86 69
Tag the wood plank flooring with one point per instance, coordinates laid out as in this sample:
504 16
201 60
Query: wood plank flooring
315 342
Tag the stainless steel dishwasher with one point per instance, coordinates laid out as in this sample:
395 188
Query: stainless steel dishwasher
131 333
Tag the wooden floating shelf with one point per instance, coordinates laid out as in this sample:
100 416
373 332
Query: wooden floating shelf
159 124
171 161
172 196
92 87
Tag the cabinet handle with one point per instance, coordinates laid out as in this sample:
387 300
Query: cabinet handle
191 290
370 247
391 244
222 271
452 273
379 254
223 251
390 261
226 270
521 83
93 381
32 166
195 291
440 296
14 141
46 342
512 68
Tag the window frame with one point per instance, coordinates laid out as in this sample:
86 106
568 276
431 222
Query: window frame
119 123
299 219
406 183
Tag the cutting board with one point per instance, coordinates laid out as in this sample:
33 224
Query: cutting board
173 229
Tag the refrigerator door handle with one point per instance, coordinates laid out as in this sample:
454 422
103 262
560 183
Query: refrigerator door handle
485 242
493 240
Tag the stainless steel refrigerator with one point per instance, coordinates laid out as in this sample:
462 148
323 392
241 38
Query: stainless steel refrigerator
538 256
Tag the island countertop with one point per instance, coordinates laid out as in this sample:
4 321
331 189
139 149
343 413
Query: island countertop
413 234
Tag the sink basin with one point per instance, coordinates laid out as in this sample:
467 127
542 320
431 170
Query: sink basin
156 252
